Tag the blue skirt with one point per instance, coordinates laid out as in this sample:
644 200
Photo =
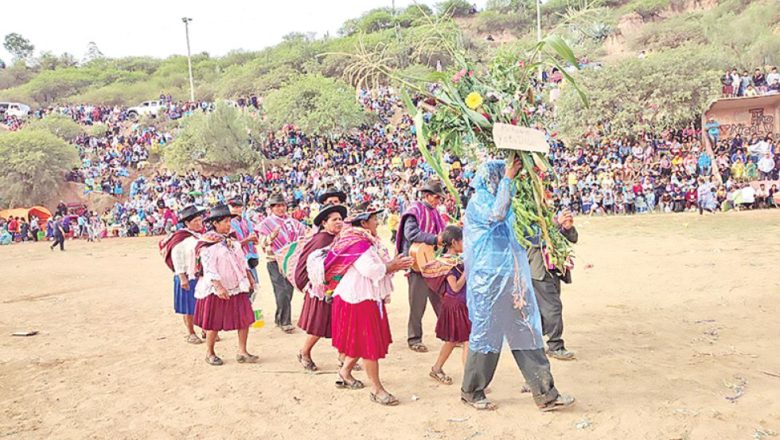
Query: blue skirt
183 300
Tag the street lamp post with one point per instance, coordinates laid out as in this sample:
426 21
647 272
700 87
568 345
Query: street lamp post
539 30
187 21
538 20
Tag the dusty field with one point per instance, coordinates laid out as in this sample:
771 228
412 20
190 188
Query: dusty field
664 312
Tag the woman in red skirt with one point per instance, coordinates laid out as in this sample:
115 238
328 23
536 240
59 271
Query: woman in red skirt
453 326
315 317
358 269
222 292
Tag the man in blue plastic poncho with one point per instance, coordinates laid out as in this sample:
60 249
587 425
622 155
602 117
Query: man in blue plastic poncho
500 295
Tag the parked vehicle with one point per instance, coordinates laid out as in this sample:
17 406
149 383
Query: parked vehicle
152 108
14 109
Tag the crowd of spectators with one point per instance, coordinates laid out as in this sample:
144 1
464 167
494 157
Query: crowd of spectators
602 174
760 82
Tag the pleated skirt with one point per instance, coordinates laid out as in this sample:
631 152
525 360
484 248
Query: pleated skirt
183 300
315 317
453 324
214 313
360 330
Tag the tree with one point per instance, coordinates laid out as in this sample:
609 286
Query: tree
455 8
219 141
51 85
33 166
47 61
376 20
413 15
18 46
315 104
93 53
664 90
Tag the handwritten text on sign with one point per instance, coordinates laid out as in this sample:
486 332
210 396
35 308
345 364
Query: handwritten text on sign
512 137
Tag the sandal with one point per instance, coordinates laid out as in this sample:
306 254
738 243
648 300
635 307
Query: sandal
194 339
289 329
419 347
440 376
342 383
386 400
214 360
247 359
561 402
480 405
307 363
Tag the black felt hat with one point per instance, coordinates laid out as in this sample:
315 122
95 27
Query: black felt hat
332 192
219 212
328 210
434 187
277 199
363 216
190 212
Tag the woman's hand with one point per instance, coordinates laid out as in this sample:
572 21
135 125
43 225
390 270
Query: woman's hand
184 282
400 262
221 292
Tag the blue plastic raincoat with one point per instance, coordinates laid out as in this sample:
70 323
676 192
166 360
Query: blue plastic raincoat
500 295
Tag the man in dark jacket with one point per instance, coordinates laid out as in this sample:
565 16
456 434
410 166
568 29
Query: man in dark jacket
547 285
59 234
421 223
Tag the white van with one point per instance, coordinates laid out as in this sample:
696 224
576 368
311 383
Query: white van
14 109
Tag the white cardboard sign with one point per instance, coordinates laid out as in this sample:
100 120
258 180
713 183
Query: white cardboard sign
512 137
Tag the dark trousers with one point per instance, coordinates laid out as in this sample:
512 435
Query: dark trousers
419 294
480 368
548 296
283 292
59 239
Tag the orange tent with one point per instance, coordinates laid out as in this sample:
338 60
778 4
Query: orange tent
41 212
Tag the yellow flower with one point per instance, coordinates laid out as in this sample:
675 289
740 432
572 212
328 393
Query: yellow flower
474 100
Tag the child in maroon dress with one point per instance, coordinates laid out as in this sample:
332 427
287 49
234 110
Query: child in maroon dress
453 326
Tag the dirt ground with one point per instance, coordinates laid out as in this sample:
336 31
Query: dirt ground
668 314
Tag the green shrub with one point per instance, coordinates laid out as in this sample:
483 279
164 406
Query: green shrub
315 104
665 90
646 8
217 141
455 8
59 125
33 166
669 34
413 15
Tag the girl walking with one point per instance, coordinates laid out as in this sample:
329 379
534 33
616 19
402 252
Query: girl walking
453 326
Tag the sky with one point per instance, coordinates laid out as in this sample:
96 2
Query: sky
154 27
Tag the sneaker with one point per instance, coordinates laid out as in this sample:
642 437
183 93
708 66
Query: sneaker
561 354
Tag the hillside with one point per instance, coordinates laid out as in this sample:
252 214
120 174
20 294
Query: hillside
720 34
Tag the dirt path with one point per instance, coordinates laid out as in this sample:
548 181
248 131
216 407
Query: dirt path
666 323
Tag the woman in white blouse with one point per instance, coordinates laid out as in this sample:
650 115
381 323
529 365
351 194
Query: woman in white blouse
223 290
363 269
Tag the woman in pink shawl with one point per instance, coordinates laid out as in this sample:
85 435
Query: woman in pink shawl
358 270
222 292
